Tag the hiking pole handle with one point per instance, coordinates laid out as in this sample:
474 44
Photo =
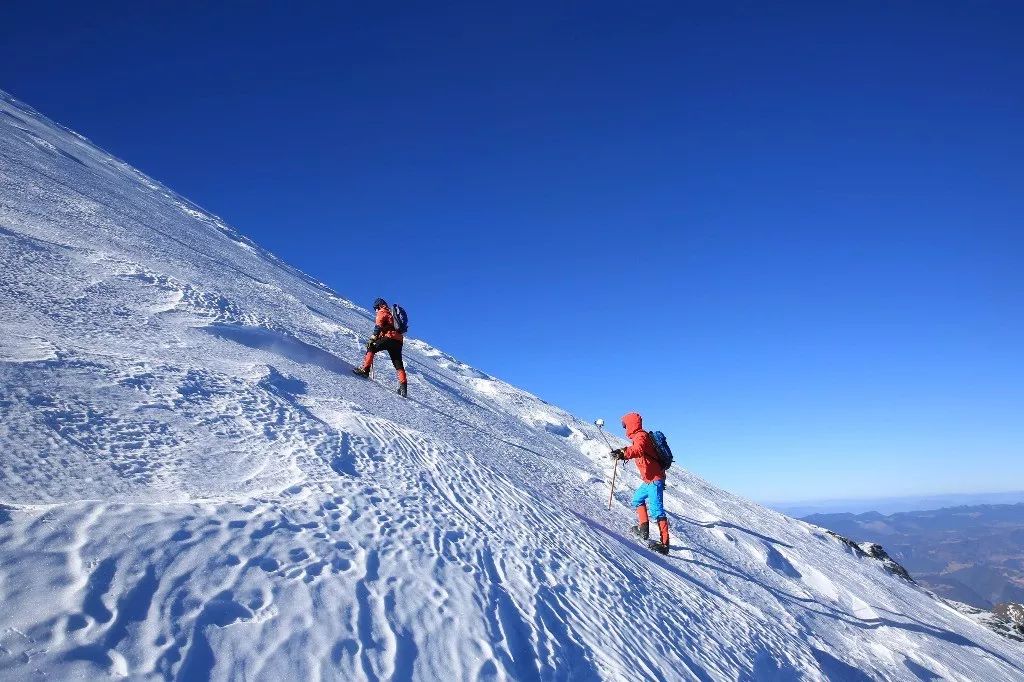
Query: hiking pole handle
600 429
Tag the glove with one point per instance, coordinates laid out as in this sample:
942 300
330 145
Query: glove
618 454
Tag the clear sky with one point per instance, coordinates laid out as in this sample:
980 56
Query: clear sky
789 234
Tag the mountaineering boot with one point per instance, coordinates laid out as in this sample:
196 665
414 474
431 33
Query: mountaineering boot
661 547
657 547
359 371
642 531
403 389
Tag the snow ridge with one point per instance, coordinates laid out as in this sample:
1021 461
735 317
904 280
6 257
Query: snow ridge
193 486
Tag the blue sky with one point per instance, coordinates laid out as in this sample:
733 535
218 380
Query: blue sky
789 235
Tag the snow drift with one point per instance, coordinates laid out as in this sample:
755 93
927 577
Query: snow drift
194 487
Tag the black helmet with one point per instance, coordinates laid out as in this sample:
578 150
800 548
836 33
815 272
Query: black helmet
380 302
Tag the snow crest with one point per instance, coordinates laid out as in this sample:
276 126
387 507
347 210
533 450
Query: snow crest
194 486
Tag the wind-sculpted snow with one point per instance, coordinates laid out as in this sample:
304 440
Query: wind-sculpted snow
193 486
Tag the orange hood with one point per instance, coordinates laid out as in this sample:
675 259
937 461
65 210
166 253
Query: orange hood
633 423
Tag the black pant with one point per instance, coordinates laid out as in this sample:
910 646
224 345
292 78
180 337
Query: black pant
392 346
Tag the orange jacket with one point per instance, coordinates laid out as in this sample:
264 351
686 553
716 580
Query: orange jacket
643 449
386 325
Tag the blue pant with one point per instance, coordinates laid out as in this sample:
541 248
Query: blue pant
653 495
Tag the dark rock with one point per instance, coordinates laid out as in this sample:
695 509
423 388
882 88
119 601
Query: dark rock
873 550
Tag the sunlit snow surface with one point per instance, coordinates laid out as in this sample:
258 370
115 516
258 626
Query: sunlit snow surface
194 486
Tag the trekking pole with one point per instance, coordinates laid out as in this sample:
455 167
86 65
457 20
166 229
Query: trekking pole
611 493
615 464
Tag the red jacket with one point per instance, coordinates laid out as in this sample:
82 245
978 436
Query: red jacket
386 325
643 449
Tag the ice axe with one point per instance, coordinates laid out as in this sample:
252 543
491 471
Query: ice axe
615 465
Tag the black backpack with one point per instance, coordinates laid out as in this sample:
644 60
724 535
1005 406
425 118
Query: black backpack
401 318
664 451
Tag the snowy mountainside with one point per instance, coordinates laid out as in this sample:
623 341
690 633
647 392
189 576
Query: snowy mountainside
193 486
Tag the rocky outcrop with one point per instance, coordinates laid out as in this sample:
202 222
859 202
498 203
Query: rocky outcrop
1000 624
873 550
1012 613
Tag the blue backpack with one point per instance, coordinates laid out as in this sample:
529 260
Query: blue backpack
664 451
401 318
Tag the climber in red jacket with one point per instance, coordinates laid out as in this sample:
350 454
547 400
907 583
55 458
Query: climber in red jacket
385 337
649 499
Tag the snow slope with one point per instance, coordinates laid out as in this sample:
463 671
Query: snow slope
194 487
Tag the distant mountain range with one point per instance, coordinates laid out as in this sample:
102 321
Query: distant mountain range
893 505
973 554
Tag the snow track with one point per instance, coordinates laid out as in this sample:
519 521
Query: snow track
194 486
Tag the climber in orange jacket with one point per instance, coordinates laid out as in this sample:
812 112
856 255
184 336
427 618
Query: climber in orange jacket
649 497
385 337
